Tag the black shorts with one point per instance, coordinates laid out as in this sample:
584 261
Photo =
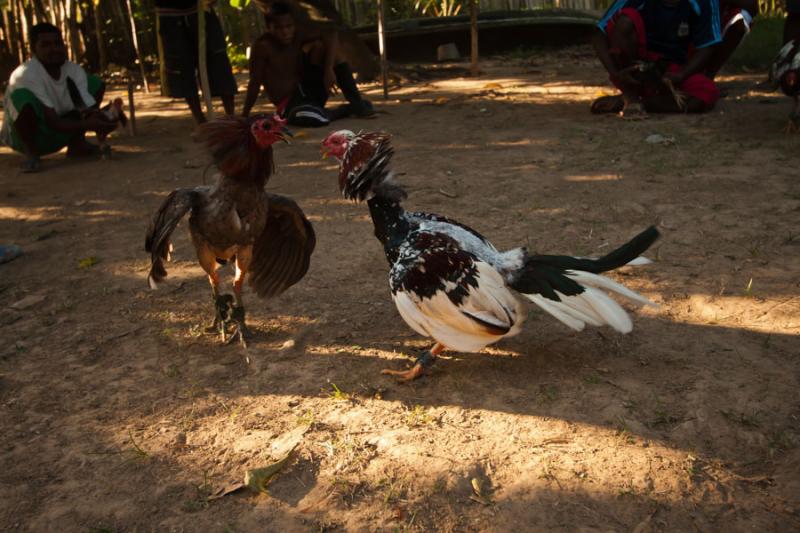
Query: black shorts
306 107
179 39
793 7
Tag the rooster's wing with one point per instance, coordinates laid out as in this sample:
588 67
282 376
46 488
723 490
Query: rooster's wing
282 253
175 206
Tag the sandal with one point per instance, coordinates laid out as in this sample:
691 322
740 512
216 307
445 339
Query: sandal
31 165
9 252
608 104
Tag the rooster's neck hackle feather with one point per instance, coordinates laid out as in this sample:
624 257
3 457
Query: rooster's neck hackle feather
235 151
365 169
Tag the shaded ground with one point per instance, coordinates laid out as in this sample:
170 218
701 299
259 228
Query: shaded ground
116 414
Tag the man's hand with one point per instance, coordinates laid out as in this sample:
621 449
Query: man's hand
675 78
329 80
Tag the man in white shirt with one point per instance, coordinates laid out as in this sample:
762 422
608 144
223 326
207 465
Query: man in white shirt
51 103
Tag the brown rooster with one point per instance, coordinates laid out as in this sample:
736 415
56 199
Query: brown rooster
266 234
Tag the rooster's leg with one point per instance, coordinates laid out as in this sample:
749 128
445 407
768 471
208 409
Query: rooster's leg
794 118
243 257
223 306
223 303
426 359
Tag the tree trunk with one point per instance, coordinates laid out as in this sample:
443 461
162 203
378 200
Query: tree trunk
71 23
10 35
325 14
135 41
102 53
22 38
202 59
24 25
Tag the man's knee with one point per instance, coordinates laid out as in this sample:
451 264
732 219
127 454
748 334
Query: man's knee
100 93
26 121
735 32
624 25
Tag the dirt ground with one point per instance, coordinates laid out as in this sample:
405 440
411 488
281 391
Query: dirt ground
118 414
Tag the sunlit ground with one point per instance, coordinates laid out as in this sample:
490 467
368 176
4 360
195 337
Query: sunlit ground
120 413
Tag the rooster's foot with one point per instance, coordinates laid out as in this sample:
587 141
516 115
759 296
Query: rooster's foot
793 126
223 310
425 360
239 329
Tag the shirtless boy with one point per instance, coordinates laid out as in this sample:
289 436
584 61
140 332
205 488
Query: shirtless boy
299 73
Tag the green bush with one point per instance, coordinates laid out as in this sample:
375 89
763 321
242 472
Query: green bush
762 45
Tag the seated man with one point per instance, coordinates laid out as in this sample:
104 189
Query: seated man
177 27
41 114
298 73
645 46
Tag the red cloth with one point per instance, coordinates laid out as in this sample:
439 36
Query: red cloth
697 85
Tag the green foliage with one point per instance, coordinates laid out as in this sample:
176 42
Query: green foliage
762 45
239 4
439 8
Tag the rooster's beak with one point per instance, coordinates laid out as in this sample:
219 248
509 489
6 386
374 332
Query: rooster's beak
285 132
325 152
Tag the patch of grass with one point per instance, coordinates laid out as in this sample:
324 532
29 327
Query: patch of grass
761 46
623 431
748 290
137 451
663 418
200 502
548 393
592 380
780 441
418 416
338 394
748 421
306 419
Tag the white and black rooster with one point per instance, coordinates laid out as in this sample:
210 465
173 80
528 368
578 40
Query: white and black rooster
450 283
785 73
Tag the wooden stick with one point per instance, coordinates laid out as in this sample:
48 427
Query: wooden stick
202 65
473 23
382 49
131 109
136 48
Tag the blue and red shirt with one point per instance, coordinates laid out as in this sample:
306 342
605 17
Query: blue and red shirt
672 26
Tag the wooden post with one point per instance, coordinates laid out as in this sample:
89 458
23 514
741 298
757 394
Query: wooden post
203 58
473 27
162 67
382 49
131 109
136 47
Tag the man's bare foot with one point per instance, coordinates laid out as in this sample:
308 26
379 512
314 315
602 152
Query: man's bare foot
633 111
83 148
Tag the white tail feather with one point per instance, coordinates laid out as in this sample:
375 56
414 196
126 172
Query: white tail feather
613 314
582 310
639 261
556 309
592 306
152 282
602 282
